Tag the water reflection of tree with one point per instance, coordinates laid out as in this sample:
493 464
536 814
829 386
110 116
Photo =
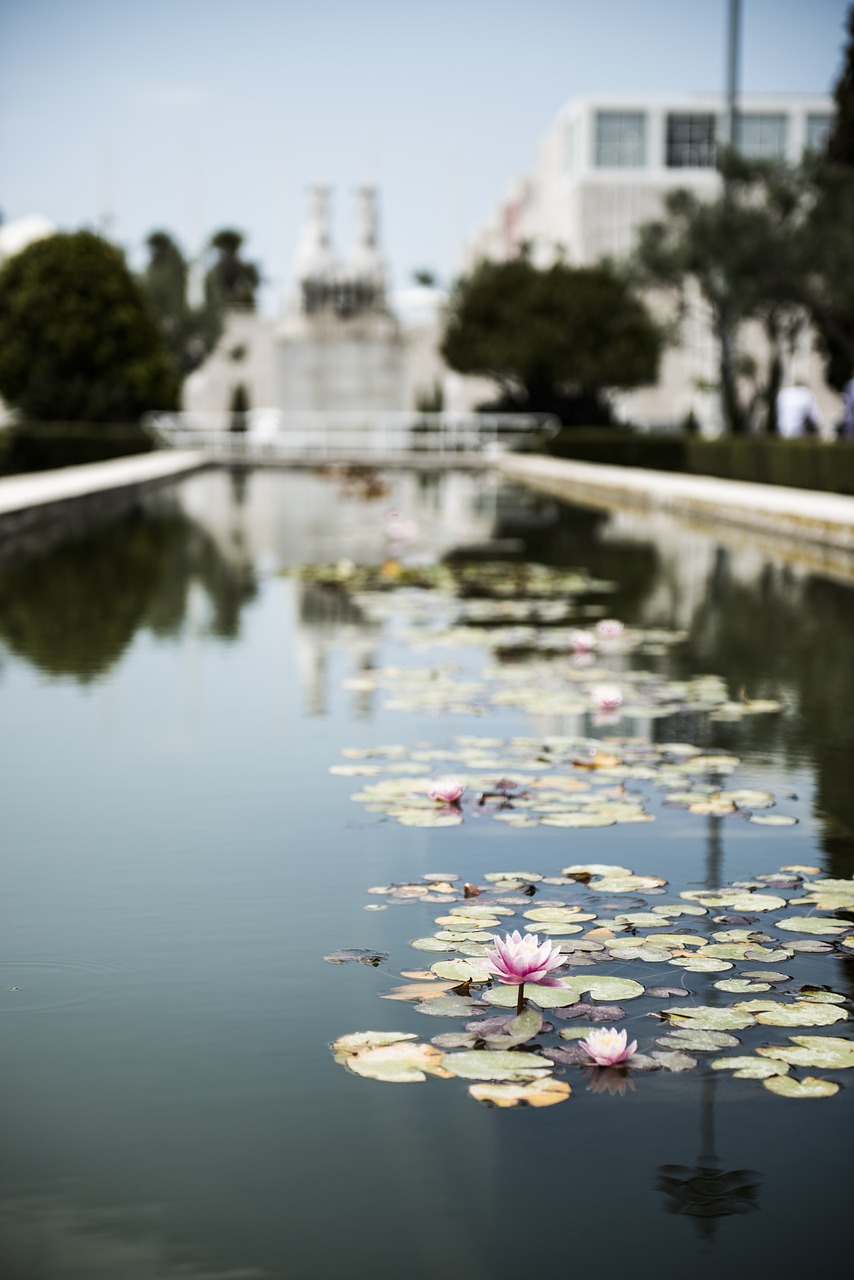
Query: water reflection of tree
74 610
565 536
782 635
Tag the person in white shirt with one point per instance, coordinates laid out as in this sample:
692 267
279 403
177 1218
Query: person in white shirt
797 413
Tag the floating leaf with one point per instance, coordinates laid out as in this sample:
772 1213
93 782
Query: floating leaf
398 1063
497 1064
749 1068
417 991
673 1060
412 817
772 820
431 944
345 1045
829 1052
701 964
516 1031
809 1087
539 1093
449 1007
800 1013
813 924
698 1041
741 984
461 971
361 955
504 997
710 1018
662 993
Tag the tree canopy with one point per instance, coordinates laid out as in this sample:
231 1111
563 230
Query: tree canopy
190 333
553 340
78 341
231 280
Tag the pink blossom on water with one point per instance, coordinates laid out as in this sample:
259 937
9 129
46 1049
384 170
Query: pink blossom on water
516 959
607 1046
609 629
607 697
448 790
582 641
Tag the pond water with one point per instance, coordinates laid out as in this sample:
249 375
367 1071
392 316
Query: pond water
179 859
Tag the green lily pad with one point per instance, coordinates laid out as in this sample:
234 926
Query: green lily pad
558 915
741 985
809 1087
772 820
829 1052
504 997
749 1068
701 964
449 1007
800 1013
674 1060
347 1044
461 970
710 1018
517 1031
698 1041
431 944
399 1063
538 1093
770 976
497 1064
813 924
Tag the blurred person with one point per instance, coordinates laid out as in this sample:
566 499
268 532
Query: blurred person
797 413
845 430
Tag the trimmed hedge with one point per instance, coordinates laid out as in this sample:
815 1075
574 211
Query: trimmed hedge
41 446
802 464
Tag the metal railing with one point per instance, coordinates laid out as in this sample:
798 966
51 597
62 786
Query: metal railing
347 435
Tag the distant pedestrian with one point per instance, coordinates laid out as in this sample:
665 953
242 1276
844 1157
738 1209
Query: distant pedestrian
846 426
797 413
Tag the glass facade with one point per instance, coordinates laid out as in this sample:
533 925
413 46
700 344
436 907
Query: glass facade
690 142
818 129
620 139
761 137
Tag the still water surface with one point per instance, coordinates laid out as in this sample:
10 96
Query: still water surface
178 859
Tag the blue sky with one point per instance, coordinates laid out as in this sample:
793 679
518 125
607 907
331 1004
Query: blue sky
192 116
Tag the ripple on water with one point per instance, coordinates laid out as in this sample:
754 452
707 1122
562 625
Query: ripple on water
51 984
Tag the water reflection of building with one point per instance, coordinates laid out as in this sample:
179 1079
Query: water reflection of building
328 620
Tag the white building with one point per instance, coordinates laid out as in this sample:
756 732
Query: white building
339 343
604 167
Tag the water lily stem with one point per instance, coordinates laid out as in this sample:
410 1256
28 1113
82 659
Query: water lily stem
520 999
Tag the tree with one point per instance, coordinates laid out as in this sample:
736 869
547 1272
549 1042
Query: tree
554 340
77 339
745 251
231 281
190 333
840 144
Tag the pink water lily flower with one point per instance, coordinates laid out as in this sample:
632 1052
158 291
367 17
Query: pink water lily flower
609 629
448 790
582 641
516 960
607 1046
608 697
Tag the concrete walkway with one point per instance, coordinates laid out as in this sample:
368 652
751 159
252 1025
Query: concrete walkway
801 515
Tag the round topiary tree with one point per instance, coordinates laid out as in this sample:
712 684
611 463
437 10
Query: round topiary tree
77 339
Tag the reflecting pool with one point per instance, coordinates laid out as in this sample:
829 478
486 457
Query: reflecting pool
178 860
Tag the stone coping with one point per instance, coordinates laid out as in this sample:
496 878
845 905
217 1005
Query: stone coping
68 484
807 515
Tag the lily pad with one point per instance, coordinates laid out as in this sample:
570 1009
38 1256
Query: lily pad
698 1041
347 1044
800 1013
674 1060
399 1063
809 1087
741 985
710 1018
516 1031
749 1068
497 1064
829 1052
461 970
362 955
813 924
449 1007
539 1093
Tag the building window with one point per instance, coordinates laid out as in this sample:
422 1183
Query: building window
620 139
690 142
761 137
818 131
